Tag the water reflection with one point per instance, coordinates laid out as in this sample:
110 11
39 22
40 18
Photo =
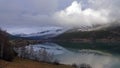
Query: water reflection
96 59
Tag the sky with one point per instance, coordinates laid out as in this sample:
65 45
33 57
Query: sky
29 15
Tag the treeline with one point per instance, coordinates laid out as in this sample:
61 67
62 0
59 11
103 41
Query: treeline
6 50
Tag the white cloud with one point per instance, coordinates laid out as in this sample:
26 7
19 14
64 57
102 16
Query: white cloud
75 16
37 13
111 5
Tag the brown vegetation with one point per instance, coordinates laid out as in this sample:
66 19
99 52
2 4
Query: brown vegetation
24 63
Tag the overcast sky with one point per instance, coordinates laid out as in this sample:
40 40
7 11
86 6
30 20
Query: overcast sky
21 15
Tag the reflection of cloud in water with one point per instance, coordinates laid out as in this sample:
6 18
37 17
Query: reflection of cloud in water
95 60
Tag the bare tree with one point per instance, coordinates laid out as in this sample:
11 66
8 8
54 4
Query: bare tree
45 56
41 55
6 51
1 52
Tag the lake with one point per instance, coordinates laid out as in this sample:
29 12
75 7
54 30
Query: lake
71 55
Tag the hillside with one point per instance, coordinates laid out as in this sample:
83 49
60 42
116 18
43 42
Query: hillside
110 34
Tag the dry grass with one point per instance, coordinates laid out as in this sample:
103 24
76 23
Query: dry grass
24 63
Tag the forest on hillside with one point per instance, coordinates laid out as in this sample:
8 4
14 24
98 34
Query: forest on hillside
111 34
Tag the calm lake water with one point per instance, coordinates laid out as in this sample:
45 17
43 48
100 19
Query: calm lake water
66 55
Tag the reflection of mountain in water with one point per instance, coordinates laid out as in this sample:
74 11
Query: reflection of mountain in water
95 52
95 58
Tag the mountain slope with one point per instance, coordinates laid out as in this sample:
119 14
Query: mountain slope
108 33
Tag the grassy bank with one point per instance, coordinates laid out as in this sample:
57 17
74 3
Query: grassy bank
25 63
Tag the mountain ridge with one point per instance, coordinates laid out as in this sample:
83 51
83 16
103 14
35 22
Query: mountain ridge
110 33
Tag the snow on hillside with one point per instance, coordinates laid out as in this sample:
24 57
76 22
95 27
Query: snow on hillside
44 32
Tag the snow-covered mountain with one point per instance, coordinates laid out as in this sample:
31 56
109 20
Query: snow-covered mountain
44 33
